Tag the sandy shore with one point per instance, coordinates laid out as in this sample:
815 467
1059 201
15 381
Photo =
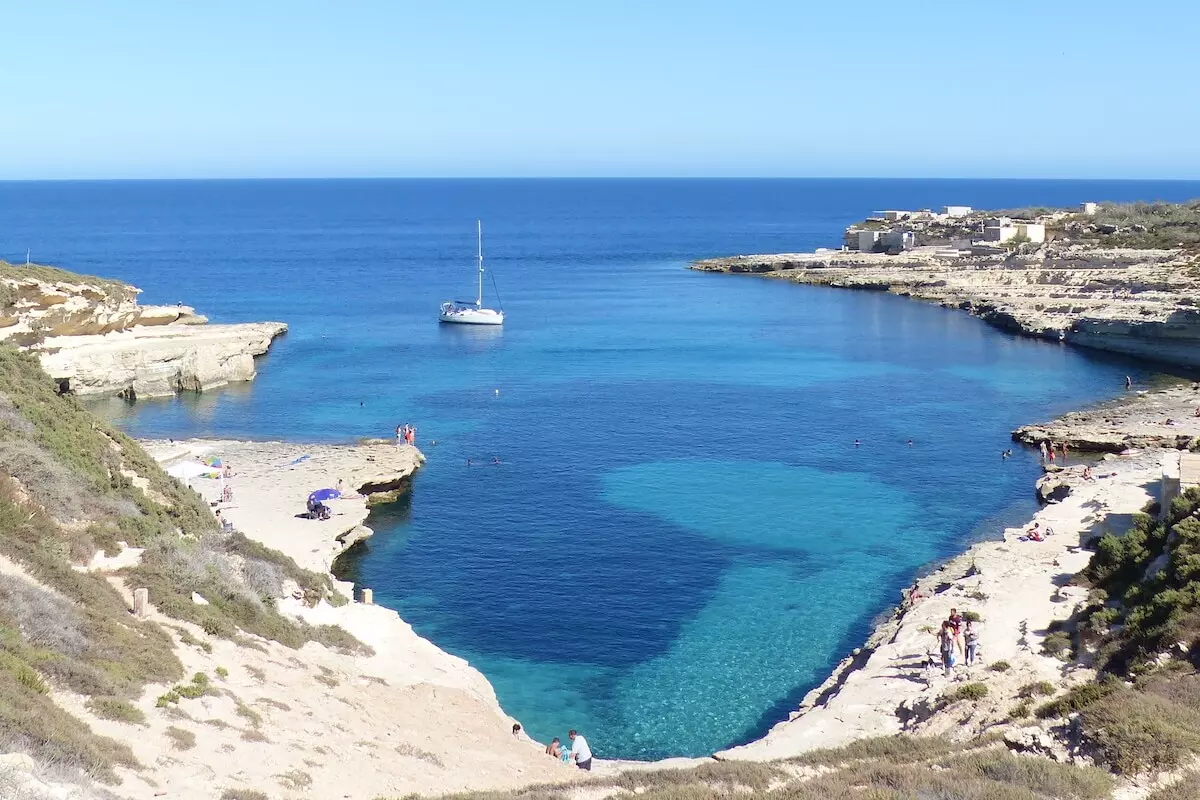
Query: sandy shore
314 722
271 481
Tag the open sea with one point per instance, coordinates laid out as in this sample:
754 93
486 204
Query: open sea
681 538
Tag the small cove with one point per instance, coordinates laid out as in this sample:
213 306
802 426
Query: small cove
681 537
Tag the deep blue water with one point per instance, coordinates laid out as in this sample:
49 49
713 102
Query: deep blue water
681 538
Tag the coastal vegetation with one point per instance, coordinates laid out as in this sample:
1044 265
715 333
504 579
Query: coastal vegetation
70 487
105 287
1140 225
886 768
1141 628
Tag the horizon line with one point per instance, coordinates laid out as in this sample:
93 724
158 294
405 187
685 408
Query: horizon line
282 178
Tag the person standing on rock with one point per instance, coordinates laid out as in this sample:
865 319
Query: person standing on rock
1064 453
1128 382
971 638
947 638
581 754
1044 453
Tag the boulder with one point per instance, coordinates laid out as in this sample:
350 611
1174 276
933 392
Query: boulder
1053 487
1036 741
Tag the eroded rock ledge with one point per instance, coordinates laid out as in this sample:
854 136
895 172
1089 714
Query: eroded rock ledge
1133 301
1158 418
92 336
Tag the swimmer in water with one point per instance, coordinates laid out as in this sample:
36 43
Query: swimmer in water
468 462
857 442
495 459
910 442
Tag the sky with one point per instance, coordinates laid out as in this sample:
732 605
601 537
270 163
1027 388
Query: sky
298 88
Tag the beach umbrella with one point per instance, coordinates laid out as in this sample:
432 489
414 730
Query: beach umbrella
323 494
186 470
214 461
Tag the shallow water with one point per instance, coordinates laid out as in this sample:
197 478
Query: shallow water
681 537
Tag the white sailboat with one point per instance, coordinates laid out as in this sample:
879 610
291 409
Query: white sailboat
465 312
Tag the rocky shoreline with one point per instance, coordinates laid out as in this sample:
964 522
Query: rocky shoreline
1018 587
93 337
1132 301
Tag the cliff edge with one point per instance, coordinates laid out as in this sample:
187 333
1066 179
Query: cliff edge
93 337
1124 291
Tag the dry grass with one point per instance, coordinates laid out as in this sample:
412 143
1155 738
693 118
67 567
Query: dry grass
243 794
1187 786
181 739
295 780
411 751
876 771
116 709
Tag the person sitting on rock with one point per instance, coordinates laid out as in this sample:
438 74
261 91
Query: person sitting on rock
554 749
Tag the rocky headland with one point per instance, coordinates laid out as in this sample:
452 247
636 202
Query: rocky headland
1090 283
93 337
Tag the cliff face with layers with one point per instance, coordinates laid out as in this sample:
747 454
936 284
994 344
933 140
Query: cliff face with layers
92 334
1133 301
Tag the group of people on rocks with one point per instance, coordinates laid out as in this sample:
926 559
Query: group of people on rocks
1048 452
957 635
579 753
405 434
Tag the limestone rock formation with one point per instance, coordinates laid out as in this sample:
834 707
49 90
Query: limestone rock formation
93 337
160 360
1053 487
1133 301
1152 419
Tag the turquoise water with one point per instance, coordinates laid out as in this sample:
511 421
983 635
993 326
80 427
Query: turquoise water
681 538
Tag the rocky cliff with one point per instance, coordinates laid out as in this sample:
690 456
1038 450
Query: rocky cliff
93 336
1134 301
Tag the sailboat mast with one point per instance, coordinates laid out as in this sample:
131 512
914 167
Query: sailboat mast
479 240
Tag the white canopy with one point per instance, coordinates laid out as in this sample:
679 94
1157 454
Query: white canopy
185 470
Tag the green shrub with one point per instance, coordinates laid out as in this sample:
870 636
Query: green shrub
117 709
968 691
1076 699
1058 643
1036 689
1136 731
1000 666
1019 711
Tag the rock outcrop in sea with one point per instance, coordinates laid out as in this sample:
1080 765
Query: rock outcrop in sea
93 337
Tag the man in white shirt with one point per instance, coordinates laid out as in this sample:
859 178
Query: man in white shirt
580 752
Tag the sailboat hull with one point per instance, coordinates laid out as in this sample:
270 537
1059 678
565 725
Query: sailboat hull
471 316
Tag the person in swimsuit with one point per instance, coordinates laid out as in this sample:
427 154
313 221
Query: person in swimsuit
554 749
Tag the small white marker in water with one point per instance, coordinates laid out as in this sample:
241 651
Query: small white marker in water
497 391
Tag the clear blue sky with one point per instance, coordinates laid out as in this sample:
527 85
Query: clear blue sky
1057 88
